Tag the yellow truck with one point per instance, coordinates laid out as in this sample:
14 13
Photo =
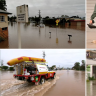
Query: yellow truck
31 69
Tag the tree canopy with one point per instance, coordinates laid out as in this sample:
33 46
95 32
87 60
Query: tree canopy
3 5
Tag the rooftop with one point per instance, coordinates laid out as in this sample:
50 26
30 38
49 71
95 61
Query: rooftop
94 51
5 12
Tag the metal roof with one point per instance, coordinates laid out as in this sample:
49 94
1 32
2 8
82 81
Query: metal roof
5 12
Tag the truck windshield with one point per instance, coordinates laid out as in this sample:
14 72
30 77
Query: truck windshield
49 69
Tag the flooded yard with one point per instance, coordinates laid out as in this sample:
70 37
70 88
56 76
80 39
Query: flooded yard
68 83
91 88
33 37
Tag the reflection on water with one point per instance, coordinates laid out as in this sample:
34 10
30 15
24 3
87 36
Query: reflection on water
35 37
91 88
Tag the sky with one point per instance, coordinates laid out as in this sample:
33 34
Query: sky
59 57
52 8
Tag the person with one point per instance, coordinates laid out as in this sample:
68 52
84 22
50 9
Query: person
93 15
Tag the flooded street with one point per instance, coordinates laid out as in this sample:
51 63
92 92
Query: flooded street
68 83
91 88
32 37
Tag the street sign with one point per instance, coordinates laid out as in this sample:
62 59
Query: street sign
57 21
22 13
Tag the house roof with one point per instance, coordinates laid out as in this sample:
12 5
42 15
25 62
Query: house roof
94 51
5 12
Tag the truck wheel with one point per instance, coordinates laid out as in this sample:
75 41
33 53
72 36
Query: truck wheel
42 80
54 76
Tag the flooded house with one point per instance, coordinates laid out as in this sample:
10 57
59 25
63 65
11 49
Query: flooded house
91 54
3 24
91 63
91 68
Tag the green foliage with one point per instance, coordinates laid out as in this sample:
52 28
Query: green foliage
4 67
77 66
54 66
82 67
3 5
87 80
91 78
37 19
11 68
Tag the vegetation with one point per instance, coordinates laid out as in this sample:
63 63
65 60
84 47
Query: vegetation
53 67
4 67
7 68
78 67
91 78
11 68
3 5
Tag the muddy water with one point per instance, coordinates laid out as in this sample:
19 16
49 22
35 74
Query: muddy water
71 83
68 83
32 37
91 88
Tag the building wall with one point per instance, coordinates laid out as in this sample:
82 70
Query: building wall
78 24
4 24
4 33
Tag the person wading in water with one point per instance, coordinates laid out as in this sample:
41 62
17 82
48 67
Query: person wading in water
93 15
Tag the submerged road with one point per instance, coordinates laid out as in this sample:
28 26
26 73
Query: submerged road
66 83
70 83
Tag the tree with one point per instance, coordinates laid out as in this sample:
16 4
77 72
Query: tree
53 67
77 66
3 5
5 67
37 19
82 67
47 17
32 18
11 68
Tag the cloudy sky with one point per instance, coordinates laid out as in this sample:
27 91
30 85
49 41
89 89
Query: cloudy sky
49 7
59 57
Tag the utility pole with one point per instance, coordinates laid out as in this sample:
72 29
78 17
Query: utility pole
39 16
44 54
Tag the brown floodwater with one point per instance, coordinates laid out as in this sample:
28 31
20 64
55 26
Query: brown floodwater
91 88
66 83
32 37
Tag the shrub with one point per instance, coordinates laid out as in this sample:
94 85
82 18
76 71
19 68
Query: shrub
91 78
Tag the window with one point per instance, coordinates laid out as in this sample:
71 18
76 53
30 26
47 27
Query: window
2 18
5 28
49 69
